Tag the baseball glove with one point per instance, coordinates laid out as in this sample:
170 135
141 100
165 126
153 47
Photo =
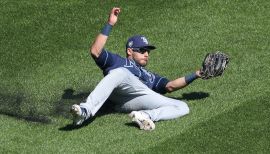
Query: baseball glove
214 65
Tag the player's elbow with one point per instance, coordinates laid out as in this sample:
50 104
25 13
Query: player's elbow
94 52
170 88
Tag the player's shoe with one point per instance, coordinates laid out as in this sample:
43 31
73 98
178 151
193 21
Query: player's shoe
142 120
79 114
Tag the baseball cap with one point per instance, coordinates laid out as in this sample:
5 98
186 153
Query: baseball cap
140 42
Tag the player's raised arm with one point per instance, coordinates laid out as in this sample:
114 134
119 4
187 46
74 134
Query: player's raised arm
101 39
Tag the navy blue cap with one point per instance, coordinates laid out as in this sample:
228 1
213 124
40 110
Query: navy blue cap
140 42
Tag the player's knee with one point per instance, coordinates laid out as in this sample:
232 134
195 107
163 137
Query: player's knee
184 109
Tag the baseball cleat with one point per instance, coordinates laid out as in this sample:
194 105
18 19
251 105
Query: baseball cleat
142 120
79 114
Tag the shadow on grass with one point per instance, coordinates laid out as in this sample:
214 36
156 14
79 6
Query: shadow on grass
12 105
192 96
15 105
71 127
62 108
132 124
19 106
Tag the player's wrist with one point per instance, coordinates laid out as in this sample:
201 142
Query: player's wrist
198 74
106 30
111 23
191 77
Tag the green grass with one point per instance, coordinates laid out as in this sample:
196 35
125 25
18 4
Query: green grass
45 67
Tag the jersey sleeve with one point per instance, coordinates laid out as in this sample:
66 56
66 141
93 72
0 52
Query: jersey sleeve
105 59
160 84
108 61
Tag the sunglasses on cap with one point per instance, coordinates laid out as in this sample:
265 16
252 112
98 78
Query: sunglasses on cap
140 50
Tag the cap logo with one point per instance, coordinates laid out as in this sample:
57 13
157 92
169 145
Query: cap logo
144 40
130 43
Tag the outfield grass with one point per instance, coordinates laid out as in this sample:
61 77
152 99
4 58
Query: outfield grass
45 67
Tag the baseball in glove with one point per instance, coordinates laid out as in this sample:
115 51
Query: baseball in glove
214 65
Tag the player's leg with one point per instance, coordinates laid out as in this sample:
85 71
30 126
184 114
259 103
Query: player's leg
98 96
133 95
157 106
146 109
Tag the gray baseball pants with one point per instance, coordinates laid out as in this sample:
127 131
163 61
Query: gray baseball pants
128 94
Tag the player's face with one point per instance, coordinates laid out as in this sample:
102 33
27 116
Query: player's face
140 56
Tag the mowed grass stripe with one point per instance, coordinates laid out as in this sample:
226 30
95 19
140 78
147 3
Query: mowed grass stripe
244 129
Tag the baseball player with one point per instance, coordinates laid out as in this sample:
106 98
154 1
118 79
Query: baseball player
131 87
